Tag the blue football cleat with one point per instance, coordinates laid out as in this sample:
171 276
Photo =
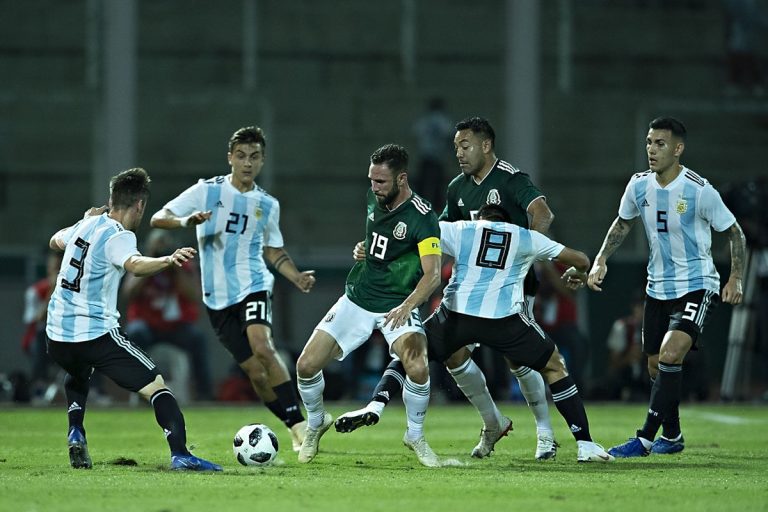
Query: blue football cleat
632 448
78 449
664 446
189 462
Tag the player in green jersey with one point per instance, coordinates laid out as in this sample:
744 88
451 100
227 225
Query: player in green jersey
485 179
399 272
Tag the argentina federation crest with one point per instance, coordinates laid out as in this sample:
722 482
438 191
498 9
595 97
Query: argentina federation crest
400 230
493 197
681 206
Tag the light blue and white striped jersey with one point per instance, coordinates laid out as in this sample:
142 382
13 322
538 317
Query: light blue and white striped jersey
678 220
491 261
231 242
84 304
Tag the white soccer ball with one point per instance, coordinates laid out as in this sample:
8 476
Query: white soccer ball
255 445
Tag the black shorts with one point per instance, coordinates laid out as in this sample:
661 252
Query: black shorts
521 340
111 354
231 322
688 313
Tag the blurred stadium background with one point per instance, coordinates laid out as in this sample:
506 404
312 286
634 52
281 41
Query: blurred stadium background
91 87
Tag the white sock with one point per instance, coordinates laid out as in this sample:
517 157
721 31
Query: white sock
311 391
471 382
533 389
416 400
376 406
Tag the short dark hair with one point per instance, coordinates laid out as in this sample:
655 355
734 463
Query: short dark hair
479 126
393 156
669 123
493 212
128 187
248 135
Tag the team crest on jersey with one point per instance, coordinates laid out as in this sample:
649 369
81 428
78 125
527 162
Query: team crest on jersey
493 197
330 316
257 212
400 230
682 205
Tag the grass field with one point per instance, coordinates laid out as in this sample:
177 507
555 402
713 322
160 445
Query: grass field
724 466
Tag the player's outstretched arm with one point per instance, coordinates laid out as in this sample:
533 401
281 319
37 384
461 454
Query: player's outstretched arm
732 291
576 276
146 266
282 262
430 265
613 239
166 219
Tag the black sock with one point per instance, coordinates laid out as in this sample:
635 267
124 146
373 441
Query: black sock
276 409
76 393
665 400
289 402
568 402
390 383
171 420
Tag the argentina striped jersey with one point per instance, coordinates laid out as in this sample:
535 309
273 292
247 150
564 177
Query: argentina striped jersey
678 220
232 241
491 260
84 304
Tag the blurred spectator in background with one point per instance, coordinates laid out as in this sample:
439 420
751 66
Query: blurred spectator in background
434 139
627 378
747 25
35 313
163 308
555 311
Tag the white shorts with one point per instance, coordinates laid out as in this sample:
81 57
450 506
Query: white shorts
351 326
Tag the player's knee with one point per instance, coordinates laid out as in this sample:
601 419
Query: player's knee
306 367
458 358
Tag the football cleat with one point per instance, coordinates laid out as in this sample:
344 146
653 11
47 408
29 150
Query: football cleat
78 449
351 421
422 450
632 448
546 446
489 438
312 439
297 434
592 452
188 462
665 446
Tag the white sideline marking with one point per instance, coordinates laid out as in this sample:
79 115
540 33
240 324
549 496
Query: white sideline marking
726 419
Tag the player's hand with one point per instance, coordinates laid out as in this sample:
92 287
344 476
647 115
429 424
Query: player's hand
358 253
574 278
732 291
95 210
596 276
195 218
179 256
305 281
398 316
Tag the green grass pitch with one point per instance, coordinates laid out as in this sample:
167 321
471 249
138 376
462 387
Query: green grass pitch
723 468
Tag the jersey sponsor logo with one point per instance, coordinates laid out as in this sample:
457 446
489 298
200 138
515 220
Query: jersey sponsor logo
681 206
460 203
167 432
400 230
74 407
219 204
575 428
645 203
494 197
329 317
370 217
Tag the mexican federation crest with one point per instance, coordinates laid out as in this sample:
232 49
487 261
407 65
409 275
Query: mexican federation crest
682 205
400 230
493 197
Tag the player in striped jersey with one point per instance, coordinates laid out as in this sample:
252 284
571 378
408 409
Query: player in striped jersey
678 209
237 225
400 271
484 301
485 179
82 327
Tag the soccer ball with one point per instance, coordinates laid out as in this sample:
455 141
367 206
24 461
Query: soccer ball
255 445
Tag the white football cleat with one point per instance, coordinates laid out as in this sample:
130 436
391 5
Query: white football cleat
592 452
489 438
546 446
424 453
297 434
312 439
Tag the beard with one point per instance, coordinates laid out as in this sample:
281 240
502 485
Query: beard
387 200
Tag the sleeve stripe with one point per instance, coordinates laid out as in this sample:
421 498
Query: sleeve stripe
429 245
420 205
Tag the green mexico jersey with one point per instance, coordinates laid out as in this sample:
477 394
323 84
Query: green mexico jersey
395 242
505 186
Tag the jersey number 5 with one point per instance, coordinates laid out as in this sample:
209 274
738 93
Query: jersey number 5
79 264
